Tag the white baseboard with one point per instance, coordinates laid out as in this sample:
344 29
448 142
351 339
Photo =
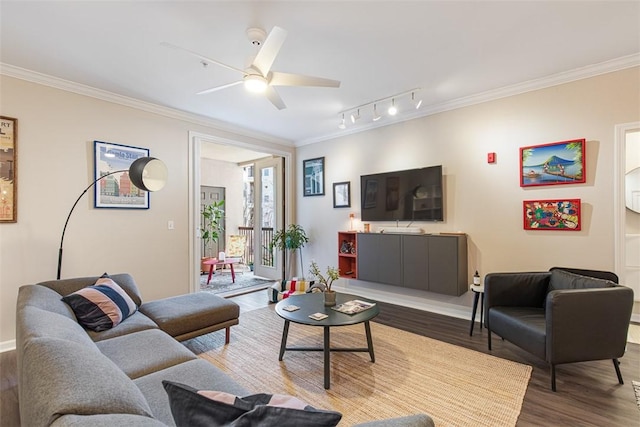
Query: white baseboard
7 346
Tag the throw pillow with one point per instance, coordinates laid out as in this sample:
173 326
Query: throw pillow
101 306
194 408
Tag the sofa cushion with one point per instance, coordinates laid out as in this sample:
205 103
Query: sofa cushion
144 352
181 315
197 373
106 420
135 323
195 408
101 306
523 326
561 279
64 378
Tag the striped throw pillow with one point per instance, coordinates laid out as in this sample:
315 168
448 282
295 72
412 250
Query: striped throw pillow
101 306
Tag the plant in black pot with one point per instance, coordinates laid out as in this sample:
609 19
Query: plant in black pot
291 239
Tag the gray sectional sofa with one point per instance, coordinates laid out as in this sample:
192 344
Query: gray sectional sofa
69 376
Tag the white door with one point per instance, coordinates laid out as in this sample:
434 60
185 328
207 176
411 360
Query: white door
269 217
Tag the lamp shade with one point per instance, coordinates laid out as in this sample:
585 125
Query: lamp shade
148 173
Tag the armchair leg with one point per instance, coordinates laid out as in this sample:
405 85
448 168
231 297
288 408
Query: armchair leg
616 364
489 338
553 377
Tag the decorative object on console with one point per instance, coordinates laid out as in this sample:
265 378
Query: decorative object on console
562 214
342 194
332 275
551 164
146 173
313 179
8 170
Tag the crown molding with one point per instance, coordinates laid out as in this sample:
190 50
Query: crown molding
80 89
586 72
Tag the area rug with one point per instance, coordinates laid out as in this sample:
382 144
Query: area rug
221 283
412 374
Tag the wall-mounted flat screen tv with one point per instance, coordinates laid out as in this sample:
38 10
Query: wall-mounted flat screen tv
408 195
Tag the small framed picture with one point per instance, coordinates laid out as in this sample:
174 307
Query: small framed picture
117 190
313 170
342 194
561 214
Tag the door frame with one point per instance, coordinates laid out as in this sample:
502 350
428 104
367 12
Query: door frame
619 157
195 141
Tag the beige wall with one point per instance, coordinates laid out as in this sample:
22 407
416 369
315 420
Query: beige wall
56 130
485 200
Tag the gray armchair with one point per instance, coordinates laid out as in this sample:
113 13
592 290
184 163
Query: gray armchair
561 316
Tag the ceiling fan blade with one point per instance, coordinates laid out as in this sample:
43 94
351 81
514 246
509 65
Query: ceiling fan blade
286 79
275 99
217 88
269 50
204 58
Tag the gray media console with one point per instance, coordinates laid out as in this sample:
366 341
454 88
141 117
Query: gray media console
434 263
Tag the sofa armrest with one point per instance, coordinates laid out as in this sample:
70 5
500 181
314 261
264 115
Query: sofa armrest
587 324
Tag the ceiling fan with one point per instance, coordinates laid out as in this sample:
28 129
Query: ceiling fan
258 77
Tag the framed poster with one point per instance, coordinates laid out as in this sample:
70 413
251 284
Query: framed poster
313 170
116 190
8 168
560 214
342 194
552 164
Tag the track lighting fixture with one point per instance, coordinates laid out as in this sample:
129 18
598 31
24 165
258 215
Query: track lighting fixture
398 102
393 110
376 116
342 124
416 103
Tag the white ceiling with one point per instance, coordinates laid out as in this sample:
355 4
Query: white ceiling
453 50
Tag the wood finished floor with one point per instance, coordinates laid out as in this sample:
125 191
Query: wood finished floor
588 393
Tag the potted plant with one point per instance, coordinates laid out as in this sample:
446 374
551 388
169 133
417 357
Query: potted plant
332 275
291 239
212 215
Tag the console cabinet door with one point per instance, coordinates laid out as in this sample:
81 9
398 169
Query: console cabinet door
415 266
379 258
445 265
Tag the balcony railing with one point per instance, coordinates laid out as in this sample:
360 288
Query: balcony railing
267 236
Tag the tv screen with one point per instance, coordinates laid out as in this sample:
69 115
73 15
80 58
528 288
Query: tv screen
408 195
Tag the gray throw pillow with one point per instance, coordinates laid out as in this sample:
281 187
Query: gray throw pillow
194 408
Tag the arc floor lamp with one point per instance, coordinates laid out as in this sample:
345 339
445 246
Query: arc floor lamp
146 173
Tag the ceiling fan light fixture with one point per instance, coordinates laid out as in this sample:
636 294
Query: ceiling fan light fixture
393 110
255 83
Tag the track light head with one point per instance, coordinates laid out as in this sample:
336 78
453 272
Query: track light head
342 124
393 110
416 103
376 115
355 116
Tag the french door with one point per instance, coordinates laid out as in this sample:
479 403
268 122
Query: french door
269 216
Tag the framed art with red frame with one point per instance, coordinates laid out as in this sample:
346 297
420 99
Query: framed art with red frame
556 215
552 164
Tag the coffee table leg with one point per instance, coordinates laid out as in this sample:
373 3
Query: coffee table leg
367 328
283 344
327 360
